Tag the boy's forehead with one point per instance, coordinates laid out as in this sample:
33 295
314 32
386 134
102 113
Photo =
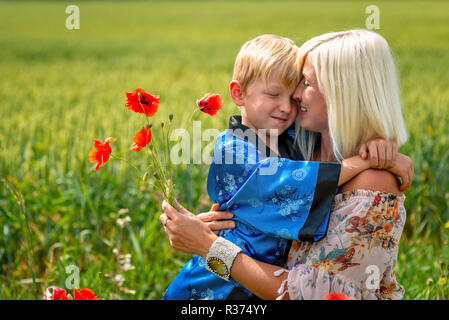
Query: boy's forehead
275 82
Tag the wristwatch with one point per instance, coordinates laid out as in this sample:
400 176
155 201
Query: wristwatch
221 256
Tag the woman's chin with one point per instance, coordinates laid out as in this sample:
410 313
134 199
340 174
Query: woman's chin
308 127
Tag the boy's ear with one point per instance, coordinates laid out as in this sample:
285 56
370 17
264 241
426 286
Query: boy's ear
236 93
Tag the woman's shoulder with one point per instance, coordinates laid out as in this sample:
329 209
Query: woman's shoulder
375 180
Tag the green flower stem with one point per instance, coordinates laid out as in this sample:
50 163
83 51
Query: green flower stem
121 159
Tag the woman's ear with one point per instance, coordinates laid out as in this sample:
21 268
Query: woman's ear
236 93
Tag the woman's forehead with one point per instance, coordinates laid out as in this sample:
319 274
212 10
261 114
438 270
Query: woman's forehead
308 70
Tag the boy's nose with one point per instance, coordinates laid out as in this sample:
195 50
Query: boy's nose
286 106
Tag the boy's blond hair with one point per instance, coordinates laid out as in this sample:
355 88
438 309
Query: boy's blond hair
265 55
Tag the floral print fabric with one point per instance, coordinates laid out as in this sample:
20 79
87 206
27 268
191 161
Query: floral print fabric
358 255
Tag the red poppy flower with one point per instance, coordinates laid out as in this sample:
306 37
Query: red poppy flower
142 102
100 152
55 293
141 139
337 296
210 103
85 294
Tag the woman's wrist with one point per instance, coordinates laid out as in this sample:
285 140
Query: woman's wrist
208 241
221 256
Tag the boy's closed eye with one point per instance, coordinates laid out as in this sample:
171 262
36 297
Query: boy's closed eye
272 93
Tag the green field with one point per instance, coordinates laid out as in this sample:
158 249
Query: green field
61 89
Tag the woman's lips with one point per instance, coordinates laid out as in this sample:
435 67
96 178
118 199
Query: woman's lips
302 110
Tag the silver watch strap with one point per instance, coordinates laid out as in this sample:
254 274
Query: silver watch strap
221 256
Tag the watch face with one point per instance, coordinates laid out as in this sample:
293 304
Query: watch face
218 266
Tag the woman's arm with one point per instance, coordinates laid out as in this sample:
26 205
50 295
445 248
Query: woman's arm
258 277
189 234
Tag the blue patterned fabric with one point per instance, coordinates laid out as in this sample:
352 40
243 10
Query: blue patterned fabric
272 199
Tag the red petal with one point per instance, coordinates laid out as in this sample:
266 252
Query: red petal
85 294
210 103
141 139
150 105
100 152
337 296
55 293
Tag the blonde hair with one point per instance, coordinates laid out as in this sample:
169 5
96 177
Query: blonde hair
357 78
264 55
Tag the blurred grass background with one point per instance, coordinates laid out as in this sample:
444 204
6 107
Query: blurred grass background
61 89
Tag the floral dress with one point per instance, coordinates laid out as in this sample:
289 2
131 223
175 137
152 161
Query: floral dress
357 257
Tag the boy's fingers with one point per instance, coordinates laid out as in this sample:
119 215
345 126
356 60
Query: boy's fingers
215 207
389 157
373 156
382 155
214 215
395 153
220 225
406 183
408 179
363 152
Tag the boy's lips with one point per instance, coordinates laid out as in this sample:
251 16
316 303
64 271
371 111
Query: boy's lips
282 120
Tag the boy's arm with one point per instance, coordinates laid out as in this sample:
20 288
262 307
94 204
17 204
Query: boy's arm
351 167
378 154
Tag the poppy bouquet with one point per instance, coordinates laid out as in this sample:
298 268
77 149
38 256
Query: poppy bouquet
160 167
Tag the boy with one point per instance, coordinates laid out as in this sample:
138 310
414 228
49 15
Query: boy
274 199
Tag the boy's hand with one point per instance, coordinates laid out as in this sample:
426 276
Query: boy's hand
217 220
381 153
403 168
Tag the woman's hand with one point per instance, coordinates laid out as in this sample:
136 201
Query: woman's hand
186 231
217 220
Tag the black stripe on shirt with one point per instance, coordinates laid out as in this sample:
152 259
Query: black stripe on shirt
326 187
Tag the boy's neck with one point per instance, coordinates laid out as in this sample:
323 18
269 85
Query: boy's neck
270 141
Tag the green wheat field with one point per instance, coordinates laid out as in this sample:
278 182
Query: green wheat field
60 89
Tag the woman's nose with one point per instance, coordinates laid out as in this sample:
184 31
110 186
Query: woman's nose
297 95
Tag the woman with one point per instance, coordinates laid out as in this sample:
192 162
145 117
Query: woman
349 95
